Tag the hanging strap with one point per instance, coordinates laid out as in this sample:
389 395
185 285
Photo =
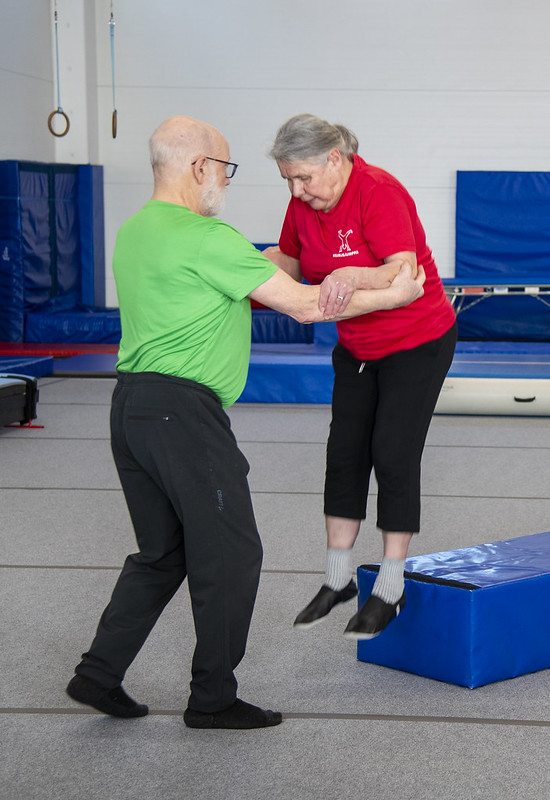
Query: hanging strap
114 117
59 111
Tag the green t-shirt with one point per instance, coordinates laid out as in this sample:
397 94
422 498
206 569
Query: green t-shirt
182 282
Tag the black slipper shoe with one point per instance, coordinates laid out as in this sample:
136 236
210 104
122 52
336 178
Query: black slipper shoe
372 618
239 716
323 602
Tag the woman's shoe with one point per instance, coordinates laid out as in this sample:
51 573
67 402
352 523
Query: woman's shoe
372 618
323 602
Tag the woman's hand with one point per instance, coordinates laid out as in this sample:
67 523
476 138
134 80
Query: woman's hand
338 287
404 289
397 259
408 284
336 291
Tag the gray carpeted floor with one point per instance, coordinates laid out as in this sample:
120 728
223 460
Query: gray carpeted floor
351 729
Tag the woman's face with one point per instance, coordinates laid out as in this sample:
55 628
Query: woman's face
319 185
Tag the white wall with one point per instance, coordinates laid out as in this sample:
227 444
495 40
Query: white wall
25 81
429 87
77 52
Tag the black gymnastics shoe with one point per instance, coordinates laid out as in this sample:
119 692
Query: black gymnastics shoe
323 602
372 618
239 716
110 701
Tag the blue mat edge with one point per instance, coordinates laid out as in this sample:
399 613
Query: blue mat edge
37 366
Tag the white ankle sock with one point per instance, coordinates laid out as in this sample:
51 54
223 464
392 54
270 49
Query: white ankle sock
338 572
390 583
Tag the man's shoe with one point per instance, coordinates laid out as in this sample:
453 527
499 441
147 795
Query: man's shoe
372 618
111 701
323 602
239 716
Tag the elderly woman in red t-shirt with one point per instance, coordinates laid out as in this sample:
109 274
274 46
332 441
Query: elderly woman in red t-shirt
348 226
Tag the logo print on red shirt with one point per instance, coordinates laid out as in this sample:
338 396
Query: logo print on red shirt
344 247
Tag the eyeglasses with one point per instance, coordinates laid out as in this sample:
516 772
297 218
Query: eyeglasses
230 167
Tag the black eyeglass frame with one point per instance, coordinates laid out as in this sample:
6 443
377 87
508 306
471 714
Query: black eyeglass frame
219 160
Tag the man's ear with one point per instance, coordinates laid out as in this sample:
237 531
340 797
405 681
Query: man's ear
198 169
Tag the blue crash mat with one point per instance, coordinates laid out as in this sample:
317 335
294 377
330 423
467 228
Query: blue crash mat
291 373
488 564
472 616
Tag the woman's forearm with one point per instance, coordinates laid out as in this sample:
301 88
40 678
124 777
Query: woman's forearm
403 290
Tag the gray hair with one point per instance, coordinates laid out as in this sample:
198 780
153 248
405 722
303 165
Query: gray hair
305 137
162 153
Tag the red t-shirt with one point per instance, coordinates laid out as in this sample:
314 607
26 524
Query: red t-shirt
375 218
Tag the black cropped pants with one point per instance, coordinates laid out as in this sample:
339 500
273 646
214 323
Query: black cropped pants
185 483
381 412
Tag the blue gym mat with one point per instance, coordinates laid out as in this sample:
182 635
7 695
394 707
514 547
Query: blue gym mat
472 616
37 366
302 373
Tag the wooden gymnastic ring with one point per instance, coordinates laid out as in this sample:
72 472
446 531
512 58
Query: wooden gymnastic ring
65 117
114 123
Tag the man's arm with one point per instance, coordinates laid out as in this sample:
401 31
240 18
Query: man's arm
283 293
301 301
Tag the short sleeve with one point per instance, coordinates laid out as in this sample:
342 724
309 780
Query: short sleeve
289 241
230 263
388 221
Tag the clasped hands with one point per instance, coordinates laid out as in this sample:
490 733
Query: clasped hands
338 287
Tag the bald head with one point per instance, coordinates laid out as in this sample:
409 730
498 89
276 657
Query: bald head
177 142
183 156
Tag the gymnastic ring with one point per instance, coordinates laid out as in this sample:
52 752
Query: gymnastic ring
65 117
114 120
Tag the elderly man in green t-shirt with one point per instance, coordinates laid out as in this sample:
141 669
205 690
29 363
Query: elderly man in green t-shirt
184 279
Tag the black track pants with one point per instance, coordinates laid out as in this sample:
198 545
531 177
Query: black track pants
185 483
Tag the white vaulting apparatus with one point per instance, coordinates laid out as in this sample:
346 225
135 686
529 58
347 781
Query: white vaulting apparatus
515 382
499 397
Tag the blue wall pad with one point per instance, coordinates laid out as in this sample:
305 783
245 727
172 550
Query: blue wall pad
92 237
472 616
82 324
270 326
87 324
503 231
502 223
325 333
51 240
505 318
37 366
